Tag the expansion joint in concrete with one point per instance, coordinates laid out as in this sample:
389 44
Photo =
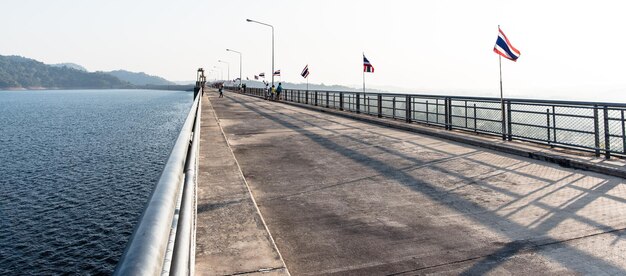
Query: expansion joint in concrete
526 247
262 270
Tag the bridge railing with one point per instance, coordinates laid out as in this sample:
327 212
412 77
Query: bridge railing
595 127
163 242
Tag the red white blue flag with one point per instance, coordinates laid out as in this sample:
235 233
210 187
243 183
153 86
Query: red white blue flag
367 66
277 73
262 75
504 48
305 71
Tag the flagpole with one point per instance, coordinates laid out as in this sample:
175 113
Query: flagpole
502 99
363 75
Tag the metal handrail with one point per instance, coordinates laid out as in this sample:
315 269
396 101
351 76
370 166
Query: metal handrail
182 260
596 127
146 251
454 98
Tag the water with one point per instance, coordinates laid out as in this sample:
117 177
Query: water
76 169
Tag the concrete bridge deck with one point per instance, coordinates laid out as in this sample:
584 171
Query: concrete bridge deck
344 197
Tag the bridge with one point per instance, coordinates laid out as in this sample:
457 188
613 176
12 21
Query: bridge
292 187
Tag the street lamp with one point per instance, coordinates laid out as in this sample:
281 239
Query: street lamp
240 79
228 67
221 72
250 20
211 72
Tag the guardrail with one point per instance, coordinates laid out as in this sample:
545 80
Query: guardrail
163 242
586 126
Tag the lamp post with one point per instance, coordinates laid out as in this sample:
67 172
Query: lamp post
211 72
221 72
254 21
228 67
240 79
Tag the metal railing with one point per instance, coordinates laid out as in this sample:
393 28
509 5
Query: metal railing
586 126
163 242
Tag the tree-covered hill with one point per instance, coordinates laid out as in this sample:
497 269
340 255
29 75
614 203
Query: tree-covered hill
140 79
19 72
70 65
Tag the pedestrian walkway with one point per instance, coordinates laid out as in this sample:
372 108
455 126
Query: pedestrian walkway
231 235
345 197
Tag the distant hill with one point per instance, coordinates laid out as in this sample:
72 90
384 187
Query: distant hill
23 73
140 79
70 65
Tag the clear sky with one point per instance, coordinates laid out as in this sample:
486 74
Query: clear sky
569 49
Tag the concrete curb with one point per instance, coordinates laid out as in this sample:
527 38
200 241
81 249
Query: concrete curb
560 160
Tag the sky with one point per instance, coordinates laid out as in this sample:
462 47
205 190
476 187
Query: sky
570 50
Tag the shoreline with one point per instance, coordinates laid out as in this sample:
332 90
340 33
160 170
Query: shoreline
147 87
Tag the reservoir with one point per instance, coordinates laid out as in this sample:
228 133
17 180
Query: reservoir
76 169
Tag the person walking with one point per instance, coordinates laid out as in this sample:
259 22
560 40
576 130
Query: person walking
267 91
273 91
221 91
278 90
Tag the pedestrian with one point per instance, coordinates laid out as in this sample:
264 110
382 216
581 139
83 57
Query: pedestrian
221 91
244 88
278 90
267 90
273 91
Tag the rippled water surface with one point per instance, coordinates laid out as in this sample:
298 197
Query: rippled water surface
76 168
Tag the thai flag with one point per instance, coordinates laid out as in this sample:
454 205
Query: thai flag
262 75
277 73
367 66
305 71
504 48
